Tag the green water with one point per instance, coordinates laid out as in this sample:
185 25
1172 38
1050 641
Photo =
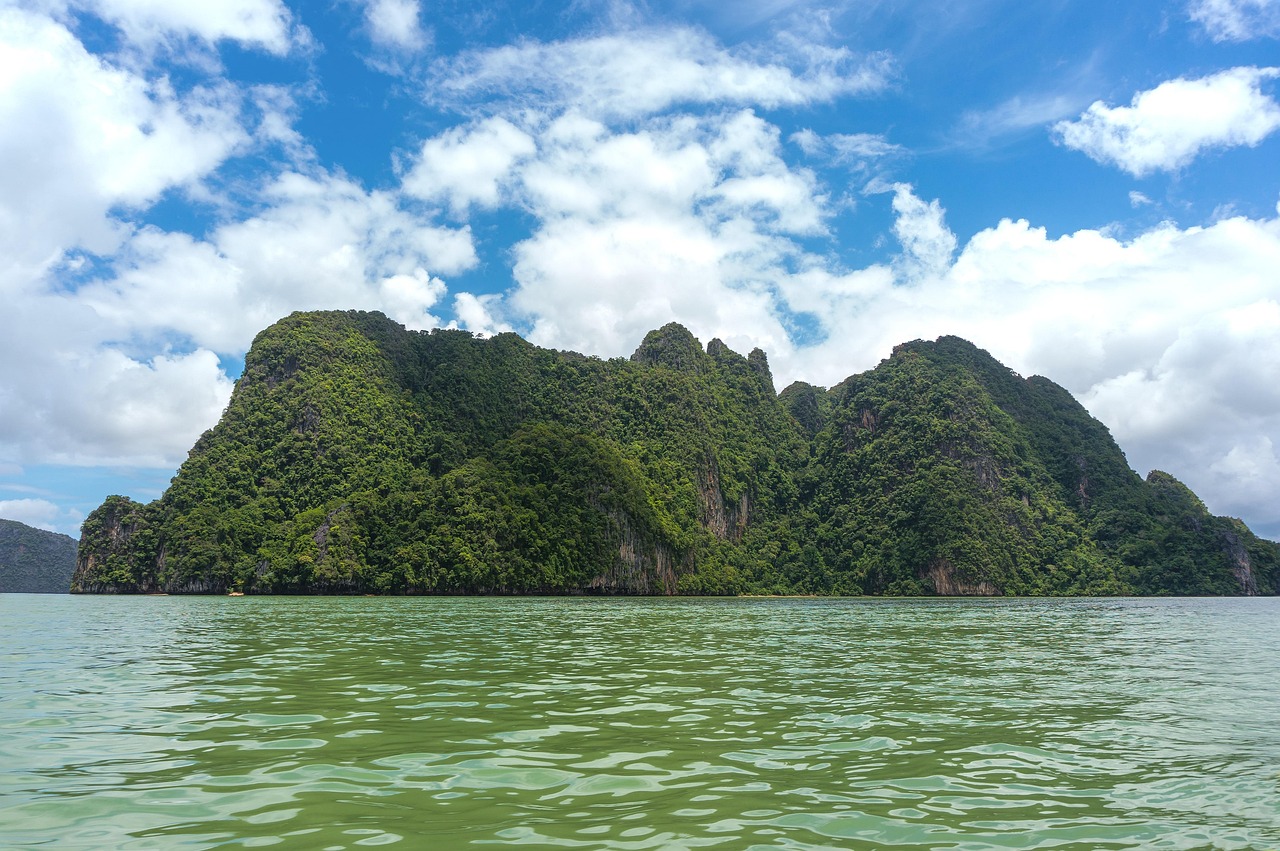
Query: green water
130 723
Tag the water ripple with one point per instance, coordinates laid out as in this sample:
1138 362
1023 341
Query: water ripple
638 724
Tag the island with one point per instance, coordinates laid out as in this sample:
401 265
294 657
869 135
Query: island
356 457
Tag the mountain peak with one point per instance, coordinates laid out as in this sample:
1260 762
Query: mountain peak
672 346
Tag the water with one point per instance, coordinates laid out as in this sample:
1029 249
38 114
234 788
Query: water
137 723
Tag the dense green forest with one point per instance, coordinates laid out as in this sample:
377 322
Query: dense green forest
358 457
33 561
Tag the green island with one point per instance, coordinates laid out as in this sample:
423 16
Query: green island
356 457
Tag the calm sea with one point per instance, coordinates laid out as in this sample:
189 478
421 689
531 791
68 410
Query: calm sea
168 722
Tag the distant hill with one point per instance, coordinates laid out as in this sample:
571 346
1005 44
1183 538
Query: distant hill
358 457
34 561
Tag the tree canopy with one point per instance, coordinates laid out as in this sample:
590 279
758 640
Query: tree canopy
358 457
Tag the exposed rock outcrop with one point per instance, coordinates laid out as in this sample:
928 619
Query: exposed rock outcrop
943 579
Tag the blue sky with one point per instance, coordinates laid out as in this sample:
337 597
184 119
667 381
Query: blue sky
1088 190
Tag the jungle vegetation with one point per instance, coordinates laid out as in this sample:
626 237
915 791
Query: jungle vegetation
358 457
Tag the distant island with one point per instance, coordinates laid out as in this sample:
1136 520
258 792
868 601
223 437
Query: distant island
33 561
357 457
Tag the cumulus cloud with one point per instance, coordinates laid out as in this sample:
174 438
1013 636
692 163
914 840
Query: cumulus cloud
128 318
645 72
469 165
477 313
1165 128
409 298
85 401
95 396
324 242
81 138
1237 20
685 217
395 23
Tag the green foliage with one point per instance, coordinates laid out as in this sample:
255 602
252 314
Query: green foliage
357 457
120 548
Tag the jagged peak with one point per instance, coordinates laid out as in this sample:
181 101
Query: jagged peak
804 402
759 363
672 346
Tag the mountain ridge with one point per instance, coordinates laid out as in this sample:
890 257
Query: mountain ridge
35 561
358 457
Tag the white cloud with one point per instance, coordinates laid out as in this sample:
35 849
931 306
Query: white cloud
128 318
84 401
476 313
80 138
323 243
467 166
981 128
648 71
759 182
927 243
181 27
40 513
255 23
96 396
685 217
1208 408
395 23
408 298
861 154
1165 128
861 146
1237 20
586 171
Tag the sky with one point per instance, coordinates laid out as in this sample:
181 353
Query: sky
1088 190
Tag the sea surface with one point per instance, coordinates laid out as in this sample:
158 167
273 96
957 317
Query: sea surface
348 723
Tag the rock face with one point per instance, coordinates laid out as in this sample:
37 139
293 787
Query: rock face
115 555
357 457
33 561
941 579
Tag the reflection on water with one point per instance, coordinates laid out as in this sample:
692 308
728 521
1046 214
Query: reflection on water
638 724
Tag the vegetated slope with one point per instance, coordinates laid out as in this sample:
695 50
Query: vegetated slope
33 561
357 457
